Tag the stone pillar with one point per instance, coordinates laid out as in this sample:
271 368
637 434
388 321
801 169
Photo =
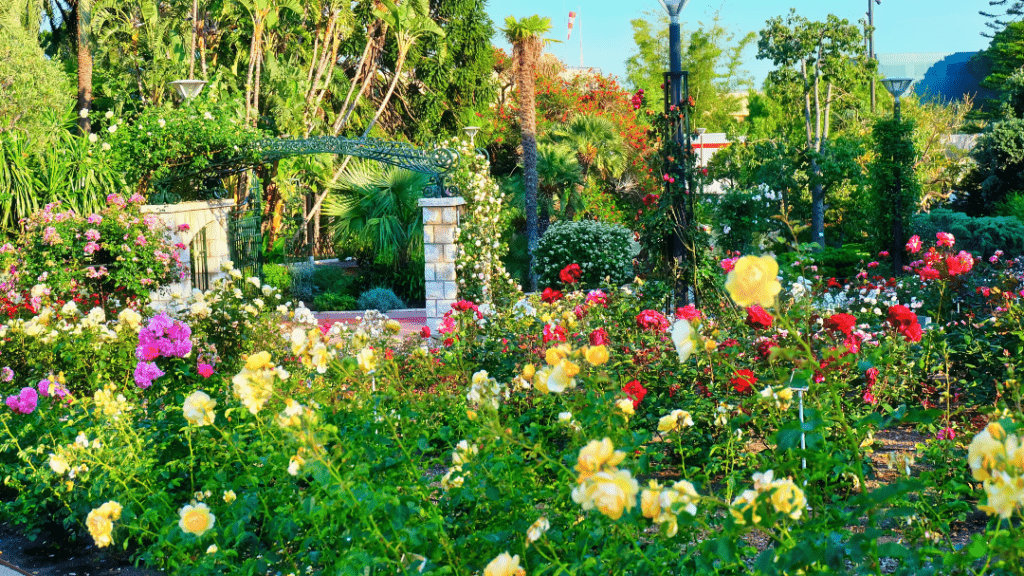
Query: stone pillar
440 218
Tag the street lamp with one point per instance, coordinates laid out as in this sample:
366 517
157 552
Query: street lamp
871 46
676 92
188 89
471 132
897 87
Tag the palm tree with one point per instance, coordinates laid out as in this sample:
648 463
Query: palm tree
525 36
596 144
557 171
84 63
374 210
264 15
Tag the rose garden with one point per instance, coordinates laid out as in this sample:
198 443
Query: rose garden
812 369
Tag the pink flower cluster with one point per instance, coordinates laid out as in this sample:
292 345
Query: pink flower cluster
24 402
162 337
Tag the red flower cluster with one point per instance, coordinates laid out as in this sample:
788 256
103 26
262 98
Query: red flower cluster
550 295
743 381
571 274
651 200
556 333
841 322
959 264
758 317
688 313
764 348
636 392
652 321
466 306
599 337
905 322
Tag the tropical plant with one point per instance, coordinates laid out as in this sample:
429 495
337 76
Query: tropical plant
525 36
373 210
596 144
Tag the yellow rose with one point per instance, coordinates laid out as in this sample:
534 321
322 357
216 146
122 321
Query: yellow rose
367 362
597 355
682 337
258 361
667 423
649 500
753 280
100 528
540 381
710 345
559 379
58 464
556 354
505 565
393 326
745 501
598 454
198 409
299 341
625 405
612 493
1003 494
537 529
111 510
229 497
687 494
528 371
196 519
984 453
788 498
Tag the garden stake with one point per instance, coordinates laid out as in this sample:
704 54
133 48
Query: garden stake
803 433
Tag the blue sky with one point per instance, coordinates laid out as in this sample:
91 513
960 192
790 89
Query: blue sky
901 25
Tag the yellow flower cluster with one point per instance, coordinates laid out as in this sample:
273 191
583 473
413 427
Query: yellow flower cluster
659 503
255 383
786 498
463 453
997 459
505 565
198 409
196 519
366 360
782 397
100 523
109 402
560 373
601 484
311 348
484 390
292 415
674 420
754 280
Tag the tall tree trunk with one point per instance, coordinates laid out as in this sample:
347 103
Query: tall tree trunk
84 64
528 53
202 44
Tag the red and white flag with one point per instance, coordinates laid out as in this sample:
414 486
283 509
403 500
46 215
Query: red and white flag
572 18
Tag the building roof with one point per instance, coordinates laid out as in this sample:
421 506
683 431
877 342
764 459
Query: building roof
942 76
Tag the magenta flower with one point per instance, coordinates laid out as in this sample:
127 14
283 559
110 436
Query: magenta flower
146 373
205 370
94 219
944 239
25 402
6 374
91 247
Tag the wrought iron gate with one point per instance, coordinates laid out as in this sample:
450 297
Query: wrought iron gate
198 260
245 238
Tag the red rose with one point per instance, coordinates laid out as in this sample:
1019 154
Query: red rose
928 273
636 391
550 295
743 381
841 323
905 322
653 321
571 274
758 317
425 332
556 333
871 376
599 337
764 348
688 313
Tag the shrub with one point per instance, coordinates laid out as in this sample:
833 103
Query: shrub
982 235
600 249
332 279
744 219
329 301
278 276
382 299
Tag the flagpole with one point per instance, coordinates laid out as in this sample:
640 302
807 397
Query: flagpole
581 35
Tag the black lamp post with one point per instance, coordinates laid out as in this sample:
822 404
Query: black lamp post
676 99
897 87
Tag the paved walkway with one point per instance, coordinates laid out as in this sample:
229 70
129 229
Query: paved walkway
411 320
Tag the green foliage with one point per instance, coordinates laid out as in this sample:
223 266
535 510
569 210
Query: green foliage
34 92
746 220
999 164
601 250
982 235
381 299
164 141
711 54
1004 55
374 213
894 185
333 279
278 276
333 301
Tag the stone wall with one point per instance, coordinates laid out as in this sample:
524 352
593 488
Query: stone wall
440 220
197 215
